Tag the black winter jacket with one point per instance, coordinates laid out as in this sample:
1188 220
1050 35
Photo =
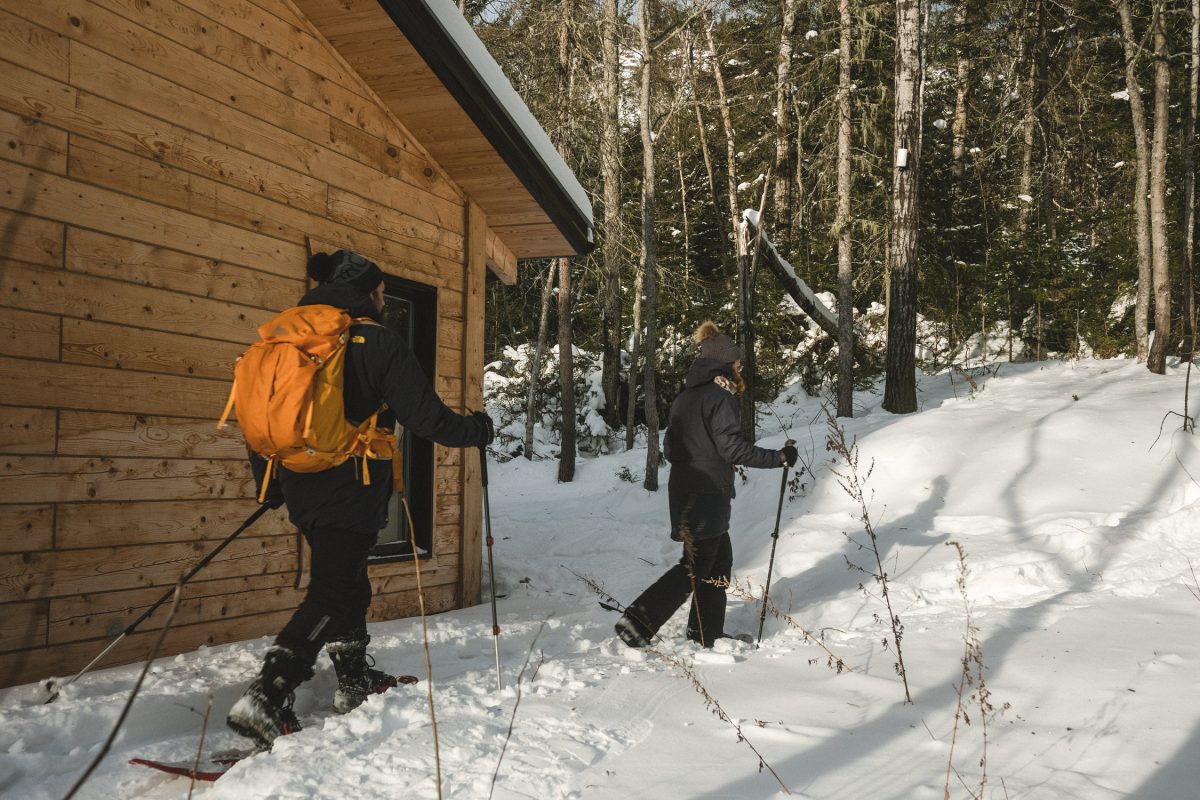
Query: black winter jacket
381 368
704 435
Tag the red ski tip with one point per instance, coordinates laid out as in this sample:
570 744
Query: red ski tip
208 771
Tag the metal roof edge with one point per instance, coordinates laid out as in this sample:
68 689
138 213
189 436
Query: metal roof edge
444 39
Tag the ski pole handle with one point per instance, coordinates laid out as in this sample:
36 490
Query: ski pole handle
483 464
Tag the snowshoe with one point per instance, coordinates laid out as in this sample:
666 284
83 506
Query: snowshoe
209 769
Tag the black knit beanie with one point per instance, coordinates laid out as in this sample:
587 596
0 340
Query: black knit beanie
346 267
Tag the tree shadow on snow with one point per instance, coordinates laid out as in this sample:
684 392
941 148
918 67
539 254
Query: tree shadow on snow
838 752
833 575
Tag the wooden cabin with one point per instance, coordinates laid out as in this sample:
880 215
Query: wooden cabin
165 170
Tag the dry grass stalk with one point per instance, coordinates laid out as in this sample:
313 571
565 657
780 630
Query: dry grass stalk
200 747
746 592
854 484
437 748
714 707
513 720
607 601
674 660
137 687
971 690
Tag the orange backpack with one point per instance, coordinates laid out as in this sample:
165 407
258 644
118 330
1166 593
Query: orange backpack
288 392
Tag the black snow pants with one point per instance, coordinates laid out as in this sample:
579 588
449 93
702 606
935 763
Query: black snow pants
711 559
339 592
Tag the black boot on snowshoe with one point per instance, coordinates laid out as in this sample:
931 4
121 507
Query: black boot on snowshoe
632 631
264 712
356 673
694 635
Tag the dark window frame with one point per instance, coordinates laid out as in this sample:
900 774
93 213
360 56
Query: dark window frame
421 487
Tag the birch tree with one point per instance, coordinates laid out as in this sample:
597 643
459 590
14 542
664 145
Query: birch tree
1156 360
900 390
845 239
1141 182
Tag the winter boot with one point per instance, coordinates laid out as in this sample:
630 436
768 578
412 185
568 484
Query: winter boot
632 631
694 635
356 673
264 712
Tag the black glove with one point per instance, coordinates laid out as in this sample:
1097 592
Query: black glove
790 456
487 429
274 496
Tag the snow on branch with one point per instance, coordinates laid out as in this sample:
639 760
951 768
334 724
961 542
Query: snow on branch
800 292
797 289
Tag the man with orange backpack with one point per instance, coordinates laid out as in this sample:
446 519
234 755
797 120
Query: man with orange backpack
326 451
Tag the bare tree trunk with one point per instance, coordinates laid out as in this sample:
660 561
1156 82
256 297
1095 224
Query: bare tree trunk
535 365
730 141
701 132
566 374
566 360
1156 361
649 246
635 349
1189 193
966 49
900 390
745 279
845 235
783 127
1141 206
1031 38
962 90
610 166
800 198
683 207
745 306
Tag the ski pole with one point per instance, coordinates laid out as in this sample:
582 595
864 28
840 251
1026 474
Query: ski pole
55 690
487 518
774 541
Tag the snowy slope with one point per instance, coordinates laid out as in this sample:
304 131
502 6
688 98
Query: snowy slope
1078 532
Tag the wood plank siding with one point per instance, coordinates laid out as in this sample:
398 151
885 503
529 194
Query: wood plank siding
164 169
365 36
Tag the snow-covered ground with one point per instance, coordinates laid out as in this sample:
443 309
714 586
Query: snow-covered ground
1079 532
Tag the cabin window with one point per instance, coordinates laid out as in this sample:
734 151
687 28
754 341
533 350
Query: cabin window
411 311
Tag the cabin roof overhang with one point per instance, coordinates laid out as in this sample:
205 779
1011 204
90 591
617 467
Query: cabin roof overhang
423 60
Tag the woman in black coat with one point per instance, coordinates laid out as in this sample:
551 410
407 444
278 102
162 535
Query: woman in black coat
704 441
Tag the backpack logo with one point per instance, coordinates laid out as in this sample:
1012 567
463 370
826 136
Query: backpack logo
287 391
